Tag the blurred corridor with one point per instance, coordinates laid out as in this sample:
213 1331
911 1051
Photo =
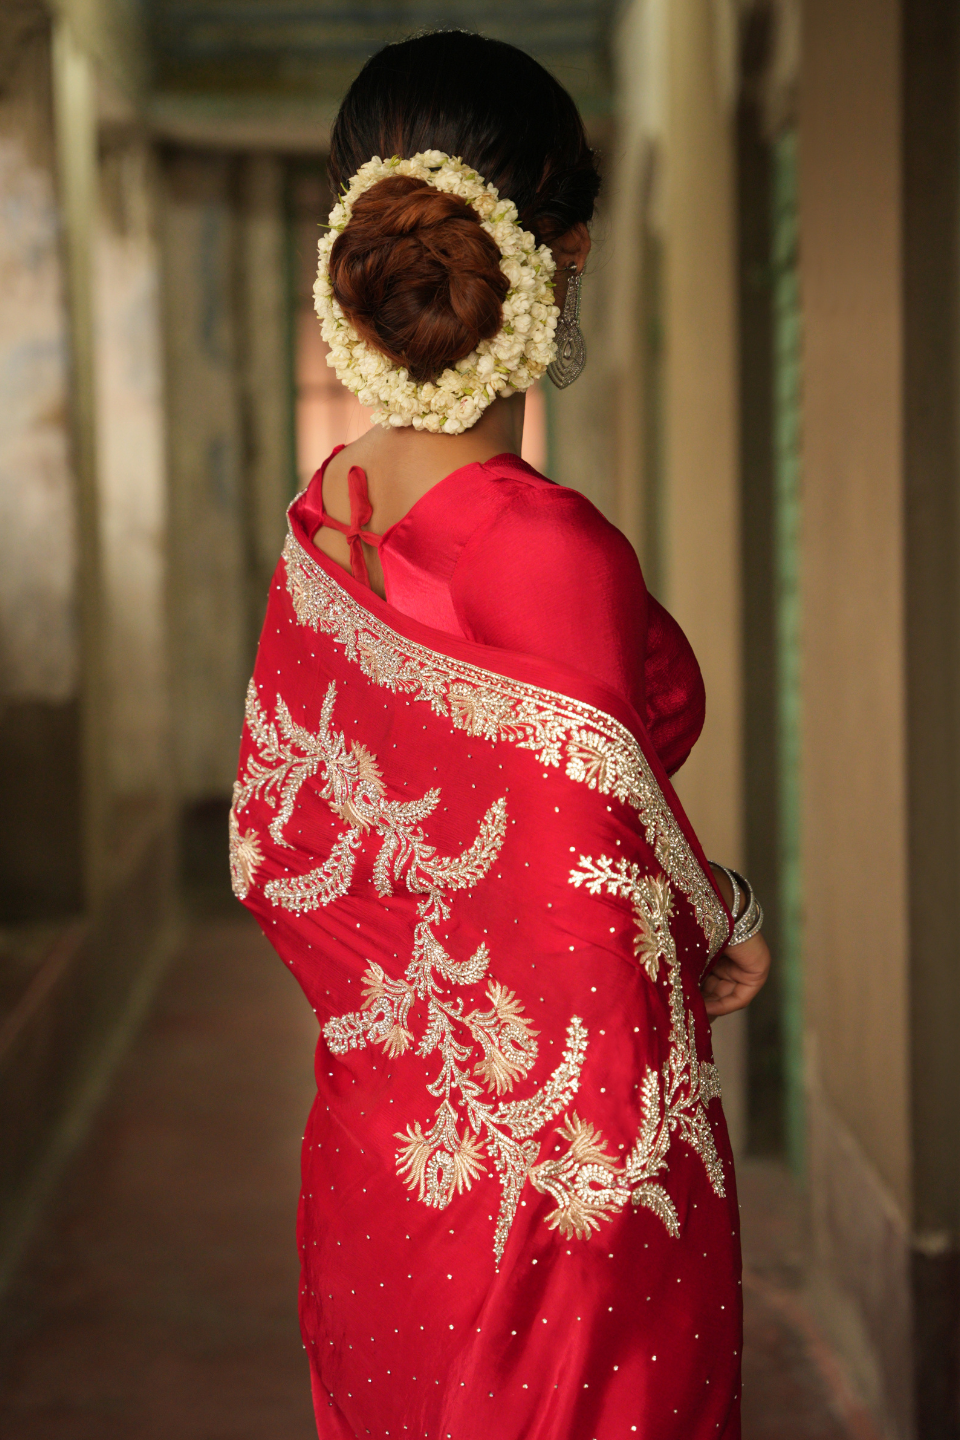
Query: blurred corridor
771 412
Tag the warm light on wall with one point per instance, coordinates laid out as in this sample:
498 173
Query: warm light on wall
327 414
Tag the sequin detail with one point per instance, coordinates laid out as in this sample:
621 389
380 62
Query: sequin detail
595 749
587 1183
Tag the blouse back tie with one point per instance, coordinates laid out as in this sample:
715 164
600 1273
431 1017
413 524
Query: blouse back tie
360 512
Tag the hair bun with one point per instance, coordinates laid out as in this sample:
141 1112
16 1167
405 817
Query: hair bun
417 276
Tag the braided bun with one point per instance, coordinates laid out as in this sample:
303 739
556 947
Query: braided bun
417 276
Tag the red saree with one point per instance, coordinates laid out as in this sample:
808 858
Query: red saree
518 1216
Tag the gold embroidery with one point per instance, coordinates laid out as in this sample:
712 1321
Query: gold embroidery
597 750
481 1051
506 1036
440 1162
320 886
484 1052
245 856
586 1183
688 1084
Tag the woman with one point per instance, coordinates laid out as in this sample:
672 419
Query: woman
454 822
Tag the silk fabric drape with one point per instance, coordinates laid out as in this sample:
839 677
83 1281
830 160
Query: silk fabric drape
518 1215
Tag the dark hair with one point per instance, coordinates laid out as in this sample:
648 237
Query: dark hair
418 278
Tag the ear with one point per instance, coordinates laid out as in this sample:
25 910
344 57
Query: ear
572 248
570 251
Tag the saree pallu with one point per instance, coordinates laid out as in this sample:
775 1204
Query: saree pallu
518 1216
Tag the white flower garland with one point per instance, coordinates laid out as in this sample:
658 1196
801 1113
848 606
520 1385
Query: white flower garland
517 355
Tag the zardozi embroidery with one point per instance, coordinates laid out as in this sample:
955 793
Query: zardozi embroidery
482 1051
245 857
586 1182
595 749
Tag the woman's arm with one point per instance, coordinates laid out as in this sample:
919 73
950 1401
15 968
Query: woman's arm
741 970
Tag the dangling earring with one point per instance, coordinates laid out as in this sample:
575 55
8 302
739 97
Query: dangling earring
571 350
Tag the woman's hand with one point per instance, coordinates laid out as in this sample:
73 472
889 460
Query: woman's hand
736 977
741 969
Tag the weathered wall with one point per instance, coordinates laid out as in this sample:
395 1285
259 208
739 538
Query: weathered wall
81 596
207 558
226 327
132 464
39 642
265 322
854 858
37 622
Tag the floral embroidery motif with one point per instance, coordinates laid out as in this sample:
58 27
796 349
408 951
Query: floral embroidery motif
586 1182
483 1051
595 749
245 856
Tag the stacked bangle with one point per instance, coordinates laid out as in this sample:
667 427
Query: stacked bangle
749 923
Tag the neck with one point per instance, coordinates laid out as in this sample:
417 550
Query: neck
405 451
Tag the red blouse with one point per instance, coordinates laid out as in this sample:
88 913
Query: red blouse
498 554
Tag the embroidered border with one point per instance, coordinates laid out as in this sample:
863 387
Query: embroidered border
598 750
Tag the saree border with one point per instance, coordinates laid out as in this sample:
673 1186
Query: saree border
595 748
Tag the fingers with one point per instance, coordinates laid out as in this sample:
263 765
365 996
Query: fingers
716 1008
724 1000
735 979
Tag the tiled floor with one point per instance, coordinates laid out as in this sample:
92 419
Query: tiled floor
793 1387
159 1302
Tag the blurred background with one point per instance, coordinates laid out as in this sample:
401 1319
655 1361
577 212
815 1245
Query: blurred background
771 412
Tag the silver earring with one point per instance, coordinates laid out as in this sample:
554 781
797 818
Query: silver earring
571 350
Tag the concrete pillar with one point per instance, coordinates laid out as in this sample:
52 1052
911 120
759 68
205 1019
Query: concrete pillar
580 420
270 466
700 537
208 554
930 70
40 849
880 201
636 240
75 117
132 467
670 344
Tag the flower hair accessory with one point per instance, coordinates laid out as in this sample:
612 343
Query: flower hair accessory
517 355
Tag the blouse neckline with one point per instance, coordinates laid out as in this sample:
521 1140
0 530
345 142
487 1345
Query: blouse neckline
381 540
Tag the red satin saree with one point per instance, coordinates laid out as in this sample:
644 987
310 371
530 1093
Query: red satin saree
518 1217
